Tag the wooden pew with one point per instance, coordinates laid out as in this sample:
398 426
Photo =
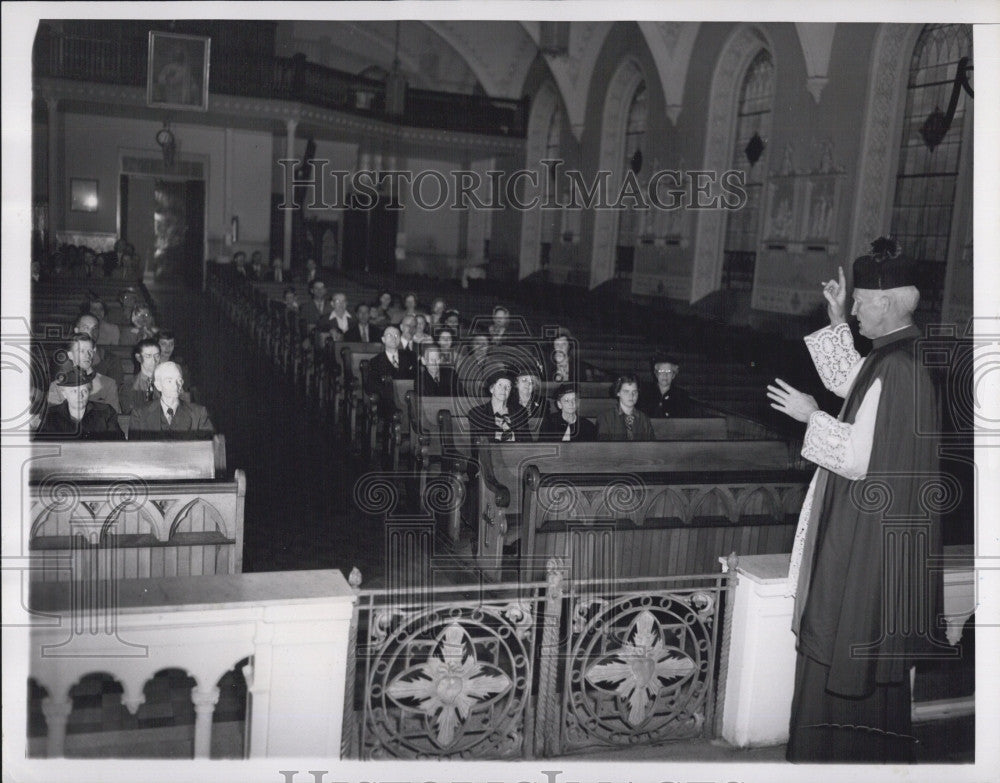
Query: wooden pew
353 395
500 500
651 524
154 459
110 510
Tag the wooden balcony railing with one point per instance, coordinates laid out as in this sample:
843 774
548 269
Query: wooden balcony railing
123 61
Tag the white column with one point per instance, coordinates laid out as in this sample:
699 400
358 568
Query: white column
56 715
286 248
204 700
761 671
55 192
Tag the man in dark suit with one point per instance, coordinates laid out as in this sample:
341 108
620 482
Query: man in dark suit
141 389
362 330
317 305
565 424
76 415
169 417
433 378
393 364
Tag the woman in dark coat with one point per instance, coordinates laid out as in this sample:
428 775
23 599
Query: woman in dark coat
499 418
565 424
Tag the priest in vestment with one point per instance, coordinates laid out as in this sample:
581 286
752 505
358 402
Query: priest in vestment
867 596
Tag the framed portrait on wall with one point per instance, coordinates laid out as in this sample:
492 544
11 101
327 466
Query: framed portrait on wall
177 71
83 195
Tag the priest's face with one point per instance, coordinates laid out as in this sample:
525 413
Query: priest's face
869 308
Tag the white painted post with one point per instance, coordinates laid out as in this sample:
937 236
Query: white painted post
56 713
204 700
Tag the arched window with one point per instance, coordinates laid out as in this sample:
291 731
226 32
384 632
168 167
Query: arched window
753 131
927 177
551 218
632 158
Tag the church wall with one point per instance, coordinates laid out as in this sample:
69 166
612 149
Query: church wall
568 260
800 127
433 236
237 167
623 41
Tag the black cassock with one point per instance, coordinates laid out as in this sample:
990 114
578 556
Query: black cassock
867 598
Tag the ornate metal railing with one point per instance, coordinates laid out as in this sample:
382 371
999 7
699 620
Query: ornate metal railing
123 61
539 669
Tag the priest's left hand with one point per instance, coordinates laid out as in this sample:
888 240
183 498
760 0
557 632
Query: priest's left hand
791 401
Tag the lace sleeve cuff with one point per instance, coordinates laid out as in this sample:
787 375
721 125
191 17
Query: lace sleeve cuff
827 443
832 351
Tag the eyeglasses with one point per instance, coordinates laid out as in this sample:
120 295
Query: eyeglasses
666 372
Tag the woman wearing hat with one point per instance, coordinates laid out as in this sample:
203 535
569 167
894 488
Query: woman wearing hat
500 418
77 416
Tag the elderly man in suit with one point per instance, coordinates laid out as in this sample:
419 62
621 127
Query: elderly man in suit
169 416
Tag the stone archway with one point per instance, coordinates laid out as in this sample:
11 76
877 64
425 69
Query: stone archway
742 47
616 103
545 102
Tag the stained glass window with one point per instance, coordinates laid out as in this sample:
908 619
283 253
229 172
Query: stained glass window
926 180
750 155
632 158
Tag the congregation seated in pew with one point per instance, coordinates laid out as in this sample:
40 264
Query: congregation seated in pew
362 330
625 421
394 363
76 416
665 398
434 379
142 326
529 394
80 352
169 416
141 389
564 424
500 418
107 333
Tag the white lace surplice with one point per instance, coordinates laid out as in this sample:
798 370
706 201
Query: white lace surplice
842 448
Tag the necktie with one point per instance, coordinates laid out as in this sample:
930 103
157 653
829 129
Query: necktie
364 334
149 390
170 415
629 427
395 361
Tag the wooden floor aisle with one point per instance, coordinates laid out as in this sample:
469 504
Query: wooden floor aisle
300 475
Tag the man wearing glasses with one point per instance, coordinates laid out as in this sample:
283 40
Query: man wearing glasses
667 399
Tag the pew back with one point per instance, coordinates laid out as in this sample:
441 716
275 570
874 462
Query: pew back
149 459
652 524
107 530
501 503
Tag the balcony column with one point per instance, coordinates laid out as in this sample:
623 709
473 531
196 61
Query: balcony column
402 195
204 700
462 250
54 195
286 250
56 712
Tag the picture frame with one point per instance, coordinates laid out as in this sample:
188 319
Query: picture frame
83 195
177 71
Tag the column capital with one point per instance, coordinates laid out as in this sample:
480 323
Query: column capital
204 699
56 709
